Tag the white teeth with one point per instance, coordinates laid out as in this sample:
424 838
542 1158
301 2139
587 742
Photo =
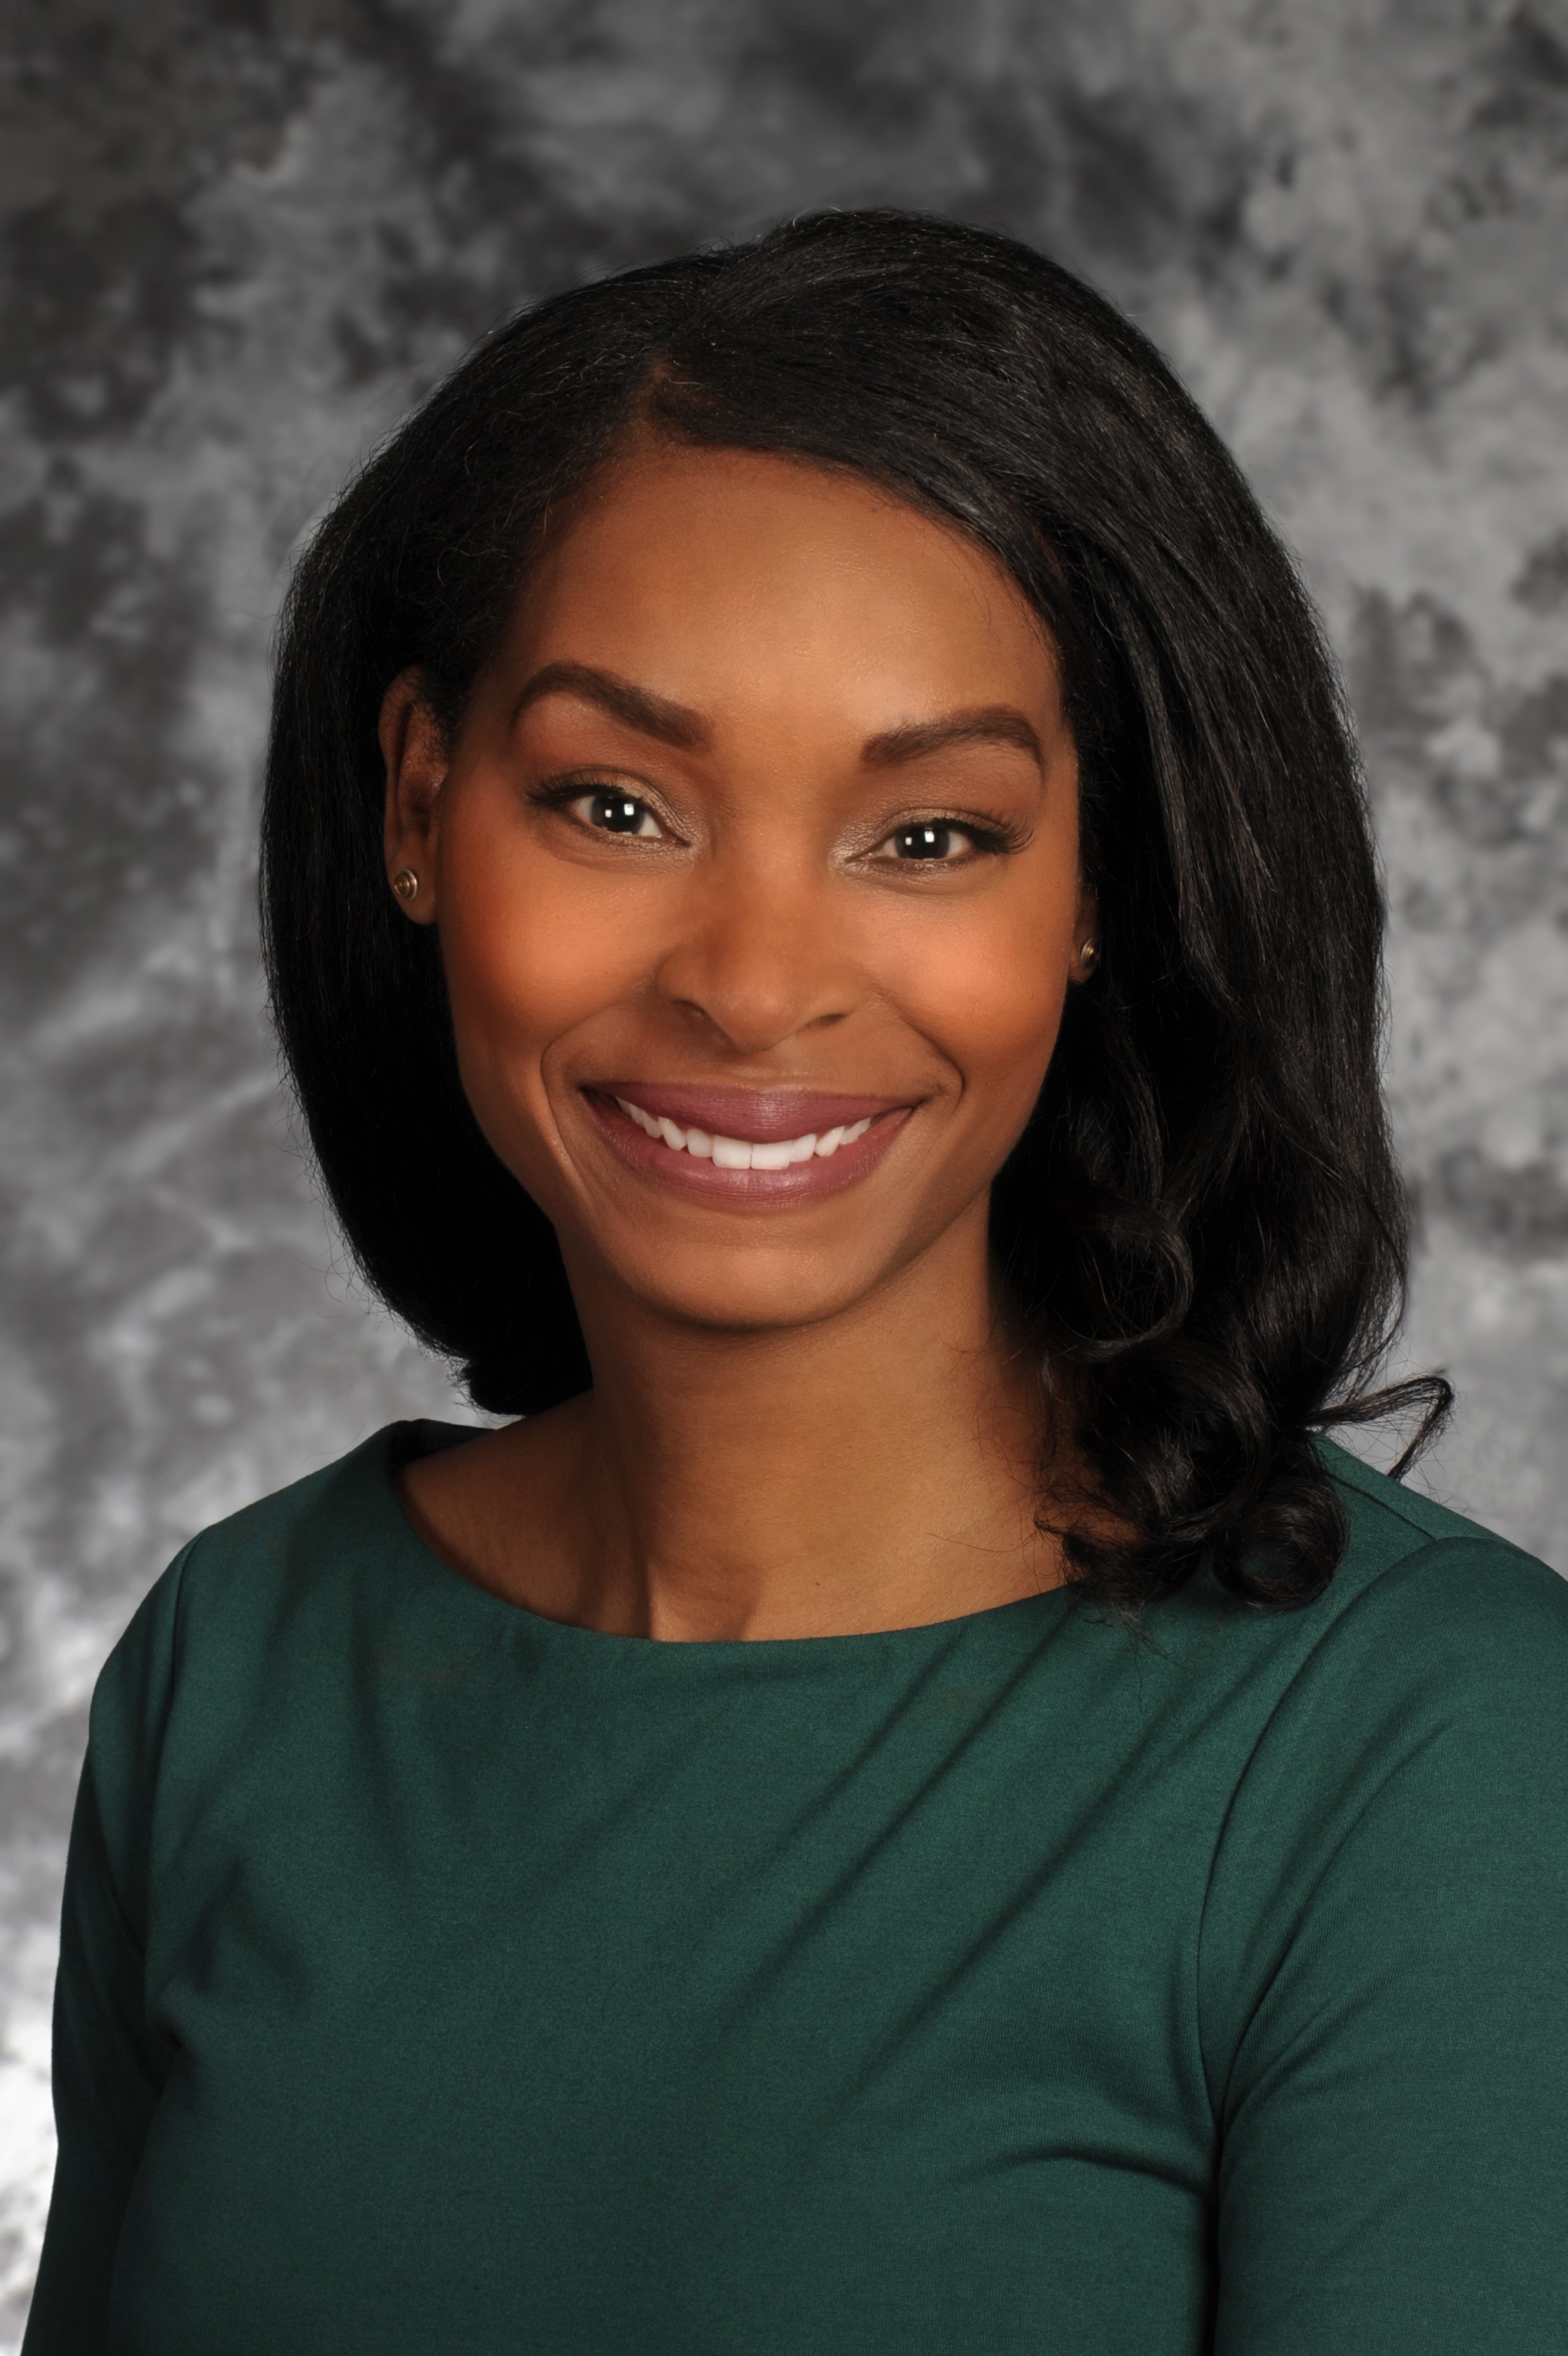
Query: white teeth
739 1153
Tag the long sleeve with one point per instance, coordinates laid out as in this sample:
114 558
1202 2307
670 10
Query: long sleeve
1388 1984
109 2062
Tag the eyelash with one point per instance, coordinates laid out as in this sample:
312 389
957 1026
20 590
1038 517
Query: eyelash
989 837
992 838
567 790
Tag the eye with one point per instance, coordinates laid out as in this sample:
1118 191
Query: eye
610 811
939 840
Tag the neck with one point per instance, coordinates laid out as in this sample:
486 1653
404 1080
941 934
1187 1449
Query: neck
876 1470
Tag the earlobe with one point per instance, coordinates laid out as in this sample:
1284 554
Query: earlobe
415 757
1086 956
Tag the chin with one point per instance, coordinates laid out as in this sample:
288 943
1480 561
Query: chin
778 1294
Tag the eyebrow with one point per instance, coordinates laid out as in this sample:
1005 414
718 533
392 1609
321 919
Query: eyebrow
676 723
637 707
993 723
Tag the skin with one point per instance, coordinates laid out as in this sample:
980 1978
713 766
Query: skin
810 1417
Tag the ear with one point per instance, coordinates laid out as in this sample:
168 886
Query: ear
1085 951
415 753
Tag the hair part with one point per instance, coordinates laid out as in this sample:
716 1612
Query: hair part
1202 1224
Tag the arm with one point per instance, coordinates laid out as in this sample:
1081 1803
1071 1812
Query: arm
1389 1982
109 2063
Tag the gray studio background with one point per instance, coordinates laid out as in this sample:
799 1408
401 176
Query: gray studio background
239 240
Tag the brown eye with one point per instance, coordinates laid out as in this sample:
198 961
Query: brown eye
931 838
613 813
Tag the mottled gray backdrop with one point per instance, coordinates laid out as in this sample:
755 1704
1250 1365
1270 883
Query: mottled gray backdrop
241 236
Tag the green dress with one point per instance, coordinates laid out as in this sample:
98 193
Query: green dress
438 1978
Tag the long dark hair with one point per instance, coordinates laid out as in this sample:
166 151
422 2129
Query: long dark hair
1202 1223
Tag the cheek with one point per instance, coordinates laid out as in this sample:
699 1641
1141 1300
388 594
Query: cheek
989 994
522 966
529 955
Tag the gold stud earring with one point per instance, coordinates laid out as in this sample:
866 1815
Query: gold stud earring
405 883
1088 956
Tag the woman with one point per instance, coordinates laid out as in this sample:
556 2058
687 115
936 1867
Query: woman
821 913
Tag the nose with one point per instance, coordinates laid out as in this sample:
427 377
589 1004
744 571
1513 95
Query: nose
758 959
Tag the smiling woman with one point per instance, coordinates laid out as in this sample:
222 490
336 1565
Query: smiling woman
762 818
820 911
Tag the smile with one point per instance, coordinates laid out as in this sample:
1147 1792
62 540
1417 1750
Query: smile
748 1147
745 1153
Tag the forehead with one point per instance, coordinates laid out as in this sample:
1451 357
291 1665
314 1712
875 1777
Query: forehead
718 576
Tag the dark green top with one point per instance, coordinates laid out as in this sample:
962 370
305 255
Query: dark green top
437 1978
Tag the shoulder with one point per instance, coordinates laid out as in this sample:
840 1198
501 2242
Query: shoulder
339 1505
1413 1718
1379 1980
1388 1521
1454 1594
1418 1711
232 1598
1424 1608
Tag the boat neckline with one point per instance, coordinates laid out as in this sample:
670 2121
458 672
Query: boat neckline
397 1444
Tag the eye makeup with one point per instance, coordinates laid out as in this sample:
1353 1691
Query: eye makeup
927 841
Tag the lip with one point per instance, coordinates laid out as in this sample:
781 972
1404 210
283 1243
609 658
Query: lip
765 1116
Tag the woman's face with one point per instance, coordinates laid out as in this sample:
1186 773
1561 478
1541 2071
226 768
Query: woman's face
756 867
